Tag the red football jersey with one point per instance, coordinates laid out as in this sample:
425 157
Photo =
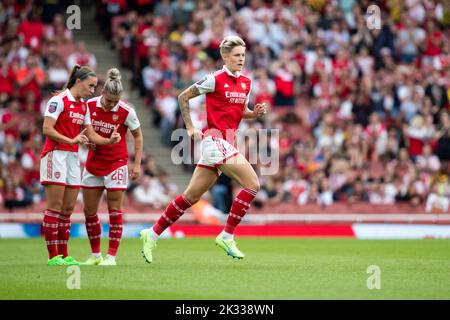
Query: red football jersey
105 159
226 96
70 116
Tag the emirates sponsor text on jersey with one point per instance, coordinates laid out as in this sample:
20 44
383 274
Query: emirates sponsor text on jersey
236 97
102 126
76 117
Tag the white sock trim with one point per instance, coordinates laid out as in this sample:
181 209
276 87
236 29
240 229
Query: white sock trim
226 236
113 258
153 234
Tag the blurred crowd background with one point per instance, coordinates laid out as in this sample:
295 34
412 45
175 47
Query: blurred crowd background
363 114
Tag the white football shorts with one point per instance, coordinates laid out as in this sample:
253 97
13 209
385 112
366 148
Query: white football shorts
214 152
116 180
61 168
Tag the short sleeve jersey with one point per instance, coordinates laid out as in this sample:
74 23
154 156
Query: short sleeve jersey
226 96
105 159
70 115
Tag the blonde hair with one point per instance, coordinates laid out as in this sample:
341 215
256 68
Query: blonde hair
417 121
78 72
113 85
228 43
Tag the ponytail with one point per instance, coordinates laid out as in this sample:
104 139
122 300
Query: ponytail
78 72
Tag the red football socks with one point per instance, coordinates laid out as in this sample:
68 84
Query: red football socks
94 232
173 211
115 231
50 228
239 208
63 234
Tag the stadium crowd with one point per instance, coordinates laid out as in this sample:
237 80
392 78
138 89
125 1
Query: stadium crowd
363 114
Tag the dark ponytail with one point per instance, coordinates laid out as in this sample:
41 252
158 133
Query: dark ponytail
78 72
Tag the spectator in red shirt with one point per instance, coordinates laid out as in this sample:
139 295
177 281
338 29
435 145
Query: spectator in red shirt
10 119
285 72
32 30
146 38
433 44
6 80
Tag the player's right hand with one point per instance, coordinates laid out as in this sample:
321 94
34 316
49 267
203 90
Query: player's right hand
195 133
80 138
115 136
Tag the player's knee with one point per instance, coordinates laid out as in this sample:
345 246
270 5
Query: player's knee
67 211
88 212
55 205
192 197
54 208
115 208
253 185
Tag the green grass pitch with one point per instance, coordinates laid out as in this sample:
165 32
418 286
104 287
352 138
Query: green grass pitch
274 268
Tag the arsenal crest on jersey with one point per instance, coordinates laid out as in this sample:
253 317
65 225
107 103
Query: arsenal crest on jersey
243 85
115 117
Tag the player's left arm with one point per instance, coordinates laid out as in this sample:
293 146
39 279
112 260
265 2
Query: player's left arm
138 146
259 110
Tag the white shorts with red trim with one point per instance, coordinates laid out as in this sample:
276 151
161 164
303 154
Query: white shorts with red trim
61 168
215 151
116 180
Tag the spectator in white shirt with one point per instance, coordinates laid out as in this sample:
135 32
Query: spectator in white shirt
154 191
427 160
81 57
